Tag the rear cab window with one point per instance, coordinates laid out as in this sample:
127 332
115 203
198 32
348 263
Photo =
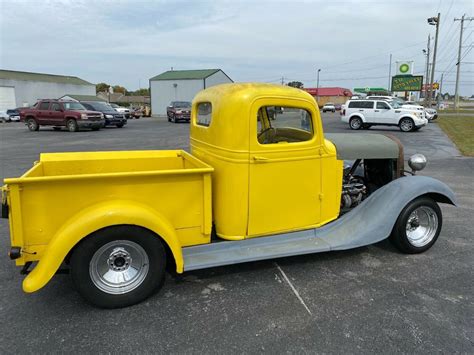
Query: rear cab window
204 114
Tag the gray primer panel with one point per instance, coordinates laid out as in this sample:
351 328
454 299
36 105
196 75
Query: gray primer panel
368 223
352 146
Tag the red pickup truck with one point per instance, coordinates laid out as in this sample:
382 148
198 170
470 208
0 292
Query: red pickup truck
57 113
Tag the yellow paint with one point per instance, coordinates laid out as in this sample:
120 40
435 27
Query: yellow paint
264 189
67 196
247 189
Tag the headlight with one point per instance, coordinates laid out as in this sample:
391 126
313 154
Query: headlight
101 115
417 162
109 116
178 111
84 116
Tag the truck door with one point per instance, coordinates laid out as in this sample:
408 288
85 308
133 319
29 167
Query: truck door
383 113
285 167
42 114
56 114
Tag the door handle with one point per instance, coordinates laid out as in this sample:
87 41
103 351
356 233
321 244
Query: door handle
260 159
361 110
377 111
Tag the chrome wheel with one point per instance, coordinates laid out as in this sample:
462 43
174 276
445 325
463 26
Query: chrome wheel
119 267
422 225
406 125
355 123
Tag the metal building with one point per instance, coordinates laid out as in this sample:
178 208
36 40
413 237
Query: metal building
20 89
182 85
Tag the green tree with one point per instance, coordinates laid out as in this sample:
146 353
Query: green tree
101 87
140 92
296 84
119 89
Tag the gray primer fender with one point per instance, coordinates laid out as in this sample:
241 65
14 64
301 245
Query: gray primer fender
368 223
373 220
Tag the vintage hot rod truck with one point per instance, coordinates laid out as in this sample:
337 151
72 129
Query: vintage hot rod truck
262 181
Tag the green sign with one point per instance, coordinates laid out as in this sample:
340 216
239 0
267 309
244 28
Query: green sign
407 83
364 90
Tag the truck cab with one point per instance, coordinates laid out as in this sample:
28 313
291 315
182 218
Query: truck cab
273 170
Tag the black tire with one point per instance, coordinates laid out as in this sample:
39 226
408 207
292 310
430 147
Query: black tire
32 124
406 124
57 128
173 118
168 115
120 125
399 235
356 123
71 125
82 266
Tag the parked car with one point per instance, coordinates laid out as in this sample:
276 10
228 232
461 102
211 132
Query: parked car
111 116
430 114
248 190
179 111
124 110
13 115
70 114
136 113
366 113
4 117
338 107
329 106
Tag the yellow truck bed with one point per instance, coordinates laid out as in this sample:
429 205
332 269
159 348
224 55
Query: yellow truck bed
61 188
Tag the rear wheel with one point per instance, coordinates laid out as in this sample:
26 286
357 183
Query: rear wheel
406 124
118 266
418 226
32 124
355 123
72 125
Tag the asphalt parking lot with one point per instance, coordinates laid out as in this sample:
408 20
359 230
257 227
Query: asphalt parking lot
371 299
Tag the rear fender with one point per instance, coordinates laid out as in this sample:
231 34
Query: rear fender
94 218
358 115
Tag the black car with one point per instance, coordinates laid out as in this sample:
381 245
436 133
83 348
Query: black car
112 116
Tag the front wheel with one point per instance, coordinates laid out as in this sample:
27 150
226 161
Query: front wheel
355 123
406 124
118 266
72 125
418 226
120 125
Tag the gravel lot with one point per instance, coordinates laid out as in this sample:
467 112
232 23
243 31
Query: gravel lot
371 299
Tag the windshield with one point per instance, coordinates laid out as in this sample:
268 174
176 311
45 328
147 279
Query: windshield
73 106
101 106
114 105
182 104
395 104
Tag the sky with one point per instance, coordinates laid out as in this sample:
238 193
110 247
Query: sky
128 42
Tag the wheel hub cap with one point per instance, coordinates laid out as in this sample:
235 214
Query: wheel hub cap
119 267
421 227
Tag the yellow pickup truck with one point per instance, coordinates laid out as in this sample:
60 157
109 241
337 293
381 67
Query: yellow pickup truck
262 181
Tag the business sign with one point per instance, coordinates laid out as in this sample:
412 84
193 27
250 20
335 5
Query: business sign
427 87
367 89
404 67
407 83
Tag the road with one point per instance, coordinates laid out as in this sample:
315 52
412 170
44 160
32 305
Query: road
368 300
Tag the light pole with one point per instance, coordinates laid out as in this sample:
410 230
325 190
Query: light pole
433 21
317 88
427 52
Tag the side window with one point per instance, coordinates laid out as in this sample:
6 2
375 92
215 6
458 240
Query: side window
55 107
383 106
44 105
368 104
354 104
276 124
204 114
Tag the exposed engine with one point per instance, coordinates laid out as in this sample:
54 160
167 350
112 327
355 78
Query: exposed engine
354 190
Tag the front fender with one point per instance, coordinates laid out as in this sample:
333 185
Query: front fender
373 220
96 217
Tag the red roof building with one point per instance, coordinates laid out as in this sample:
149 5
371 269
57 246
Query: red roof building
337 91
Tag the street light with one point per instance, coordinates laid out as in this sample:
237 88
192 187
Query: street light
317 88
433 21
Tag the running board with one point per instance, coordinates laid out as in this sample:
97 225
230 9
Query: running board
369 223
234 252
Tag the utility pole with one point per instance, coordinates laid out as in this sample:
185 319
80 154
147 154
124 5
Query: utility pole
317 88
389 72
427 52
282 80
434 21
456 94
440 91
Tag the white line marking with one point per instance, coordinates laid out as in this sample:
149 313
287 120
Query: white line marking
293 288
